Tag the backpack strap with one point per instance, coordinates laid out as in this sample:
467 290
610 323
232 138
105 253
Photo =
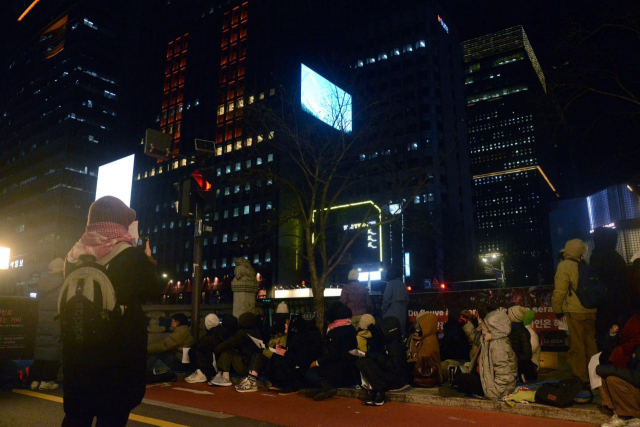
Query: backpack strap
119 247
571 290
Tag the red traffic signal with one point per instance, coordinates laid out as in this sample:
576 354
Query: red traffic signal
202 183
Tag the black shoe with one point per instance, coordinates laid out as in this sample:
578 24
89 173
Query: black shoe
325 393
371 395
379 400
309 392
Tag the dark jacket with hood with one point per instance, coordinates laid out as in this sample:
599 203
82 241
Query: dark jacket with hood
304 346
118 369
248 325
391 371
48 346
454 343
630 374
337 366
520 340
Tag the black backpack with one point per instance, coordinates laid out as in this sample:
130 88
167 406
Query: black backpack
590 291
87 306
561 394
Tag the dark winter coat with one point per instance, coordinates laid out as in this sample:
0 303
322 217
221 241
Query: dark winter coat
631 374
337 367
48 346
114 378
213 338
305 345
392 370
454 343
520 340
240 341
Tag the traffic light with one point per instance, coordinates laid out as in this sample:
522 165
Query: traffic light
184 197
205 189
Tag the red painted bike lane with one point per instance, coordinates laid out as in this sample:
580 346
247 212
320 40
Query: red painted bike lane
295 410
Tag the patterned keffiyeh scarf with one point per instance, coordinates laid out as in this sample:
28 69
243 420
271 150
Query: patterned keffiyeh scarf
338 323
98 240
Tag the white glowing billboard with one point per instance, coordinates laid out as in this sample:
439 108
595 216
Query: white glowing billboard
115 179
5 254
324 100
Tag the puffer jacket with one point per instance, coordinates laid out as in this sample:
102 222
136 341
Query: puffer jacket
48 345
427 344
355 295
180 338
497 362
567 276
535 345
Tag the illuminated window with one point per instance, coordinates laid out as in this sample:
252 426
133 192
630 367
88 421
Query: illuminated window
138 178
371 60
183 162
238 146
407 48
236 212
221 110
395 52
153 172
225 214
240 103
420 44
231 107
248 164
249 142
225 238
258 161
236 189
175 164
227 191
272 92
219 151
259 138
267 257
238 166
269 181
224 263
270 158
251 99
382 57
271 135
235 237
229 148
360 63
269 205
227 169
218 172
247 187
256 208
261 96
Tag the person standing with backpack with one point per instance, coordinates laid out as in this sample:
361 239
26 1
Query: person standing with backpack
104 356
566 304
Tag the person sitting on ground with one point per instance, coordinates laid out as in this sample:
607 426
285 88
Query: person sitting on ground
620 389
170 350
387 369
423 344
230 323
201 355
304 345
236 352
364 334
261 362
337 367
494 368
520 340
529 317
355 295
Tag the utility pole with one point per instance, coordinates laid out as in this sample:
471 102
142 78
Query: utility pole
197 274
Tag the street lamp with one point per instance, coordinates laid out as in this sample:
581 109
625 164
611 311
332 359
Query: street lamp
489 268
164 275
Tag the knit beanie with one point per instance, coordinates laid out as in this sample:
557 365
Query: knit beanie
111 209
529 317
211 321
354 274
282 308
516 313
365 321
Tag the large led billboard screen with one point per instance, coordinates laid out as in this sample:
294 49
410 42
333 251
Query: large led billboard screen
324 100
115 179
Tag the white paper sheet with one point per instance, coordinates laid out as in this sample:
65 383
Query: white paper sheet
133 231
185 354
594 379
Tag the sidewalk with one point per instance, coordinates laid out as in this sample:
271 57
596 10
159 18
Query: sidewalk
590 413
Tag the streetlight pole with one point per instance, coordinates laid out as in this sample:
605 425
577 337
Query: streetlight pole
197 274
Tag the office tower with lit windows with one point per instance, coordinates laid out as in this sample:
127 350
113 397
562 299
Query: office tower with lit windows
221 56
510 158
68 107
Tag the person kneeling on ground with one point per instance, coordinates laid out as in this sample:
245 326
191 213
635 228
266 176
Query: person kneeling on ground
494 368
620 389
261 362
201 355
170 350
237 351
424 352
385 370
337 368
520 340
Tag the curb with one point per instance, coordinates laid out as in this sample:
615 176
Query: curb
587 413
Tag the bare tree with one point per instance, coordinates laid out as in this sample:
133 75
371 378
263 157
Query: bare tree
323 162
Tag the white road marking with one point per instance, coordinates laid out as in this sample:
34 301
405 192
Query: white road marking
193 391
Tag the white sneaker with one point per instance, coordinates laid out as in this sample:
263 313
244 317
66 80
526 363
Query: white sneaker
49 385
615 421
634 422
34 385
220 381
246 386
196 377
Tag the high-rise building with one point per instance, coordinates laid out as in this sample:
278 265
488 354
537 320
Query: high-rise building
509 154
224 56
69 108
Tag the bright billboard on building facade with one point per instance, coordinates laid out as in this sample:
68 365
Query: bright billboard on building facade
116 179
324 100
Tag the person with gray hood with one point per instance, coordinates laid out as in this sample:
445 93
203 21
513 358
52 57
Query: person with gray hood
495 365
396 298
48 349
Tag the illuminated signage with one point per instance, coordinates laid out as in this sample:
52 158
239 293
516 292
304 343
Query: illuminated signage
5 254
17 263
324 100
441 21
407 264
365 276
115 179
